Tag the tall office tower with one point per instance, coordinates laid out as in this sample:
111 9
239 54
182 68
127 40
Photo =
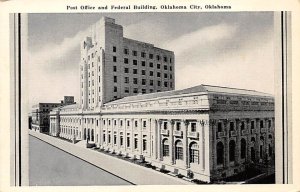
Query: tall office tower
113 67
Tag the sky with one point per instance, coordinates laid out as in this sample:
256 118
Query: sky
224 49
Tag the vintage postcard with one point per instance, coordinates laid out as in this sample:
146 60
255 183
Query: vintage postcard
117 94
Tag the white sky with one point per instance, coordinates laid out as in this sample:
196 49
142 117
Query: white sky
224 49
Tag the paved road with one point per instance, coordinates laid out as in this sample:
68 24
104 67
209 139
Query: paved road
49 166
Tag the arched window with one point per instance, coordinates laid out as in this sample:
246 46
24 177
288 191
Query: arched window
220 153
178 150
194 152
243 148
166 148
231 150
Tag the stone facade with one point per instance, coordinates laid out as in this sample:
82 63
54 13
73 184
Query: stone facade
113 67
204 132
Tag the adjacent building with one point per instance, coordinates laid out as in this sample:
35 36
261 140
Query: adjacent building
39 118
128 105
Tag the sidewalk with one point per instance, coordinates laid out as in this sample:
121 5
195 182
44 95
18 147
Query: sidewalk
131 172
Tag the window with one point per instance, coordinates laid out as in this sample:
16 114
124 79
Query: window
128 141
104 137
261 124
165 125
158 74
134 71
143 91
193 127
126 60
126 70
178 126
150 56
115 68
135 143
134 53
166 148
144 144
170 68
231 126
151 82
114 49
269 123
135 81
143 72
220 153
115 139
135 123
126 79
126 90
171 76
134 62
166 84
158 83
219 127
115 89
151 73
150 64
171 85
165 67
157 57
115 79
126 51
135 90
194 153
144 123
166 75
109 138
143 54
231 150
178 150
114 59
242 125
143 63
252 125
143 81
243 148
121 140
158 66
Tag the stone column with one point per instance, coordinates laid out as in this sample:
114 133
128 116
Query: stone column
132 135
171 137
155 140
238 143
257 143
124 127
226 143
184 124
159 143
200 128
140 128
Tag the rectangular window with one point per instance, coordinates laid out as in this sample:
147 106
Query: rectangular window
143 81
135 143
126 60
126 51
135 90
165 67
151 82
158 74
126 70
150 64
115 89
193 127
144 144
121 140
134 53
166 75
179 153
231 126
143 72
126 79
143 91
158 83
165 59
158 66
143 63
143 54
104 137
157 57
135 81
114 49
150 56
166 84
126 90
115 139
114 59
115 79
144 123
128 141
252 125
166 152
171 68
151 73
194 156
134 62
134 71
